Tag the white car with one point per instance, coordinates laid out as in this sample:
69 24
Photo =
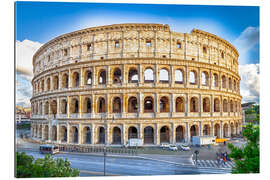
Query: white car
184 147
164 145
173 148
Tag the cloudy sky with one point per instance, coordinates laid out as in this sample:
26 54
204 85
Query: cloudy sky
39 22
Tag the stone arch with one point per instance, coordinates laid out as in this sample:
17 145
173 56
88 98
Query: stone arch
132 132
234 85
101 135
74 106
225 105
180 104
206 130
164 76
63 106
54 133
193 77
117 105
230 83
217 130
65 80
102 77
87 135
205 78
148 135
40 131
88 77
48 84
87 105
194 104
116 135
42 85
224 81
148 104
225 130
232 129
215 80
46 132
164 134
101 105
46 108
74 135
164 104
55 82
53 105
180 133
231 106
194 131
132 105
148 75
133 75
117 76
75 79
216 105
206 104
63 134
236 128
40 108
179 76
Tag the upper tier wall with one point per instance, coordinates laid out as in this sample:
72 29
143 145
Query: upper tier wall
135 41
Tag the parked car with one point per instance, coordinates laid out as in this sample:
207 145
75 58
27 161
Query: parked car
173 148
165 145
184 147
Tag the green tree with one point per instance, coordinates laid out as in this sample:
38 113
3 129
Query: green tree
247 158
43 167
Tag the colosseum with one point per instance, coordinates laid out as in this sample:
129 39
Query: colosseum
106 84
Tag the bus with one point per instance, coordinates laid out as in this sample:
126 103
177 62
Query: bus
48 149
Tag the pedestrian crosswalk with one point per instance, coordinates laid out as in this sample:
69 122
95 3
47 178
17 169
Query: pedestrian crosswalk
214 164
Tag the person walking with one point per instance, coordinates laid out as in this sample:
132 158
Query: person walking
224 160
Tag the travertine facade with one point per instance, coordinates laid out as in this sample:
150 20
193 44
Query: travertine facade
143 80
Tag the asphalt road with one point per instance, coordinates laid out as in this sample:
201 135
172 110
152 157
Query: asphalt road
94 165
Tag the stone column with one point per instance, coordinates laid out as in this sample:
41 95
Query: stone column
157 137
172 105
200 129
80 134
221 129
199 78
50 132
58 107
186 104
124 104
43 132
173 134
81 77
186 76
108 76
140 103
187 138
80 105
93 134
68 133
140 74
69 79
212 129
58 133
124 75
140 131
68 106
171 76
156 102
200 105
94 77
156 79
212 105
123 136
108 136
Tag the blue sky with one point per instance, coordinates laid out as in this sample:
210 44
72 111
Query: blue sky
42 21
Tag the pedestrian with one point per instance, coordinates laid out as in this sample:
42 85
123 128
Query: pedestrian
224 160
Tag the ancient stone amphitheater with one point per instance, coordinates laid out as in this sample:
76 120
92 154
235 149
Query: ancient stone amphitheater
115 82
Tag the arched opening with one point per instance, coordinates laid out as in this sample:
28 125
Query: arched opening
46 130
48 83
179 104
193 131
117 105
101 135
40 108
46 108
63 134
74 106
148 135
164 134
148 105
133 76
180 134
225 130
231 106
192 77
132 132
178 76
87 105
225 105
55 83
76 79
132 105
205 78
223 81
65 81
42 85
215 80
88 78
234 85
206 130
232 130
236 129
63 106
86 135
235 106
194 104
40 131
116 135
102 77
216 105
148 75
206 104
73 134
54 107
164 104
54 133
164 76
230 83
217 130
117 76
101 105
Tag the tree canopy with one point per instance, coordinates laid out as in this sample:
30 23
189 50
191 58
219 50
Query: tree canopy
43 167
247 158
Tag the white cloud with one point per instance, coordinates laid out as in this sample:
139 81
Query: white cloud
250 86
245 42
